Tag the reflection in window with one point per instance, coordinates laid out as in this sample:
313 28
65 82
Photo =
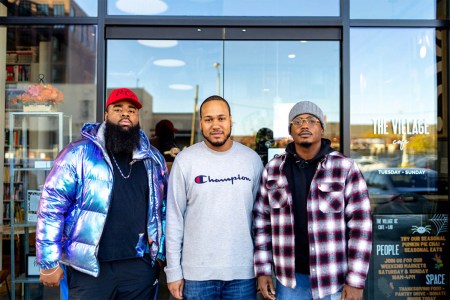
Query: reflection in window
58 10
261 86
169 76
394 116
42 9
50 67
387 72
77 8
225 7
24 9
399 10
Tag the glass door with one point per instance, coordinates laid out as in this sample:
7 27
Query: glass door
261 79
264 79
261 73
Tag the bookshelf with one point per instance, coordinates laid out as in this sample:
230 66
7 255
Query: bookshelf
33 141
21 65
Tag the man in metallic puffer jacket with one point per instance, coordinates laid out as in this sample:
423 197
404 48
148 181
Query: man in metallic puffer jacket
101 219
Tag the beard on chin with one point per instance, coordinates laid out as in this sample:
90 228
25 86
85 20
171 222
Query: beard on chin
119 140
305 144
218 143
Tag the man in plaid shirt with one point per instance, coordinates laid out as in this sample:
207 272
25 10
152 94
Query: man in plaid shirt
312 219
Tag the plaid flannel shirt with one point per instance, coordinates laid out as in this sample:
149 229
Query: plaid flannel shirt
339 226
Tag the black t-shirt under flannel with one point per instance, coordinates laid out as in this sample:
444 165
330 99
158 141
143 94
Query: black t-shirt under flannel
127 214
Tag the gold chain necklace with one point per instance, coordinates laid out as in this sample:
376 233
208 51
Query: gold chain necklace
117 165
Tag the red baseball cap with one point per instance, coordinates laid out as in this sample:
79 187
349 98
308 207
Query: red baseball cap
123 94
164 126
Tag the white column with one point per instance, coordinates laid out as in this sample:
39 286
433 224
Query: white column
45 61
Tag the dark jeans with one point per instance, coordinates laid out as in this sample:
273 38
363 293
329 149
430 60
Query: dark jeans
241 289
123 279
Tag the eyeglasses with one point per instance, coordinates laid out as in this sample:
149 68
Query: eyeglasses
129 110
298 122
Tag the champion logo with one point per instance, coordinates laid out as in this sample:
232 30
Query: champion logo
200 179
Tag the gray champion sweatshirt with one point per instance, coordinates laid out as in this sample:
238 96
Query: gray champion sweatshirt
209 213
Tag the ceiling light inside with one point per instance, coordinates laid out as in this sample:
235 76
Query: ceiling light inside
169 63
181 87
159 43
142 7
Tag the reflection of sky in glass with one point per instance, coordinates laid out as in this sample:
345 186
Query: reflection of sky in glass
88 6
389 9
258 78
393 74
132 64
225 7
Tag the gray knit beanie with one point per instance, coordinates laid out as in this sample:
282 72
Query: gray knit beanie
306 107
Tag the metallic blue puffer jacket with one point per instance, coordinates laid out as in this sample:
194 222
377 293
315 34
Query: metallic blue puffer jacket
76 198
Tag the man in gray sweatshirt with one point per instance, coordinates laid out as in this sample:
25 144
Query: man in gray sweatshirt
212 188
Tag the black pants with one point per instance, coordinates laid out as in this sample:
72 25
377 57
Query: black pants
123 279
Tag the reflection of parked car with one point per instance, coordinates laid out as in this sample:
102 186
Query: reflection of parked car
369 163
402 190
427 162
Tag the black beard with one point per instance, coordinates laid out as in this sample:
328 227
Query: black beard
118 140
217 144
305 144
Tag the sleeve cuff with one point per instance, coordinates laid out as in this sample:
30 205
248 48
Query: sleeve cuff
173 274
263 270
48 266
355 281
161 257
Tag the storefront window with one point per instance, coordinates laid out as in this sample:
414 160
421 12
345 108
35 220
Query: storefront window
225 8
399 139
170 77
399 10
396 120
261 86
47 94
51 8
52 65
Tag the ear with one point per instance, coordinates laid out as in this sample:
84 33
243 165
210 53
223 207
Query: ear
105 116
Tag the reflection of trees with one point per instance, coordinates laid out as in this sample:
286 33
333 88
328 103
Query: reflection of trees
249 141
418 144
422 144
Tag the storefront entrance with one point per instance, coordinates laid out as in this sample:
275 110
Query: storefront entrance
263 72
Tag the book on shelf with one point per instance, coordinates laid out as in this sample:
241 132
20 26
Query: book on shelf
18 193
33 197
10 73
6 174
18 73
6 211
11 57
19 213
18 178
25 57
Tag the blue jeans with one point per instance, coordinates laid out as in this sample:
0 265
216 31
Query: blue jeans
302 291
239 289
